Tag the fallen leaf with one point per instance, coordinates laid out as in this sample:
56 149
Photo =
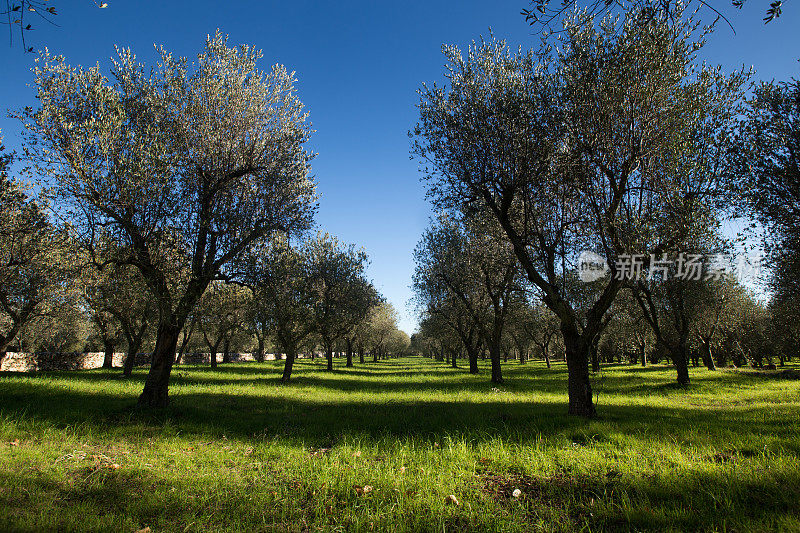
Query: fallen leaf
402 470
357 454
361 491
14 442
517 493
144 530
452 500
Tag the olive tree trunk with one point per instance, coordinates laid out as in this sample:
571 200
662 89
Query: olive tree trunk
156 386
108 354
288 364
579 385
349 363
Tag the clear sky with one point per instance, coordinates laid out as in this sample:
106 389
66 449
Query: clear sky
358 66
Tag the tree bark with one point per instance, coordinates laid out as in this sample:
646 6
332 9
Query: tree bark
213 347
260 350
329 355
595 357
130 361
578 383
705 353
472 353
494 355
681 361
361 354
287 365
453 358
108 355
226 351
187 335
156 386
349 363
213 357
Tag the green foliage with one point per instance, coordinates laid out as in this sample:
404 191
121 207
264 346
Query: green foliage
35 258
183 167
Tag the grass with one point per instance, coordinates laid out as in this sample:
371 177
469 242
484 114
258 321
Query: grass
383 446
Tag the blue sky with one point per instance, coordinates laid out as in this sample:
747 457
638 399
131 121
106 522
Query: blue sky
358 66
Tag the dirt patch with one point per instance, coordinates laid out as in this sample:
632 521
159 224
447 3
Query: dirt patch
546 489
731 455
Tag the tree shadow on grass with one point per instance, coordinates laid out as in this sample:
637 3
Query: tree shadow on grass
90 403
423 379
308 420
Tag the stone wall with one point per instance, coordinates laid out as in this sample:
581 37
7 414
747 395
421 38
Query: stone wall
31 362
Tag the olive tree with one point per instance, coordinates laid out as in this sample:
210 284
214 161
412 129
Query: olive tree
187 166
342 294
558 146
34 258
221 310
472 260
381 321
767 178
277 273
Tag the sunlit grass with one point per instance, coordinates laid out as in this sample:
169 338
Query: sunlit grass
382 447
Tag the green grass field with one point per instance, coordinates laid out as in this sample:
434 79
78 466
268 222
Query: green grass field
383 447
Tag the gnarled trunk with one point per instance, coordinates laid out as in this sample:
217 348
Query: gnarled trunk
349 363
578 383
259 356
213 356
130 360
226 351
156 386
595 357
187 335
472 353
329 355
681 361
288 364
108 354
705 354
